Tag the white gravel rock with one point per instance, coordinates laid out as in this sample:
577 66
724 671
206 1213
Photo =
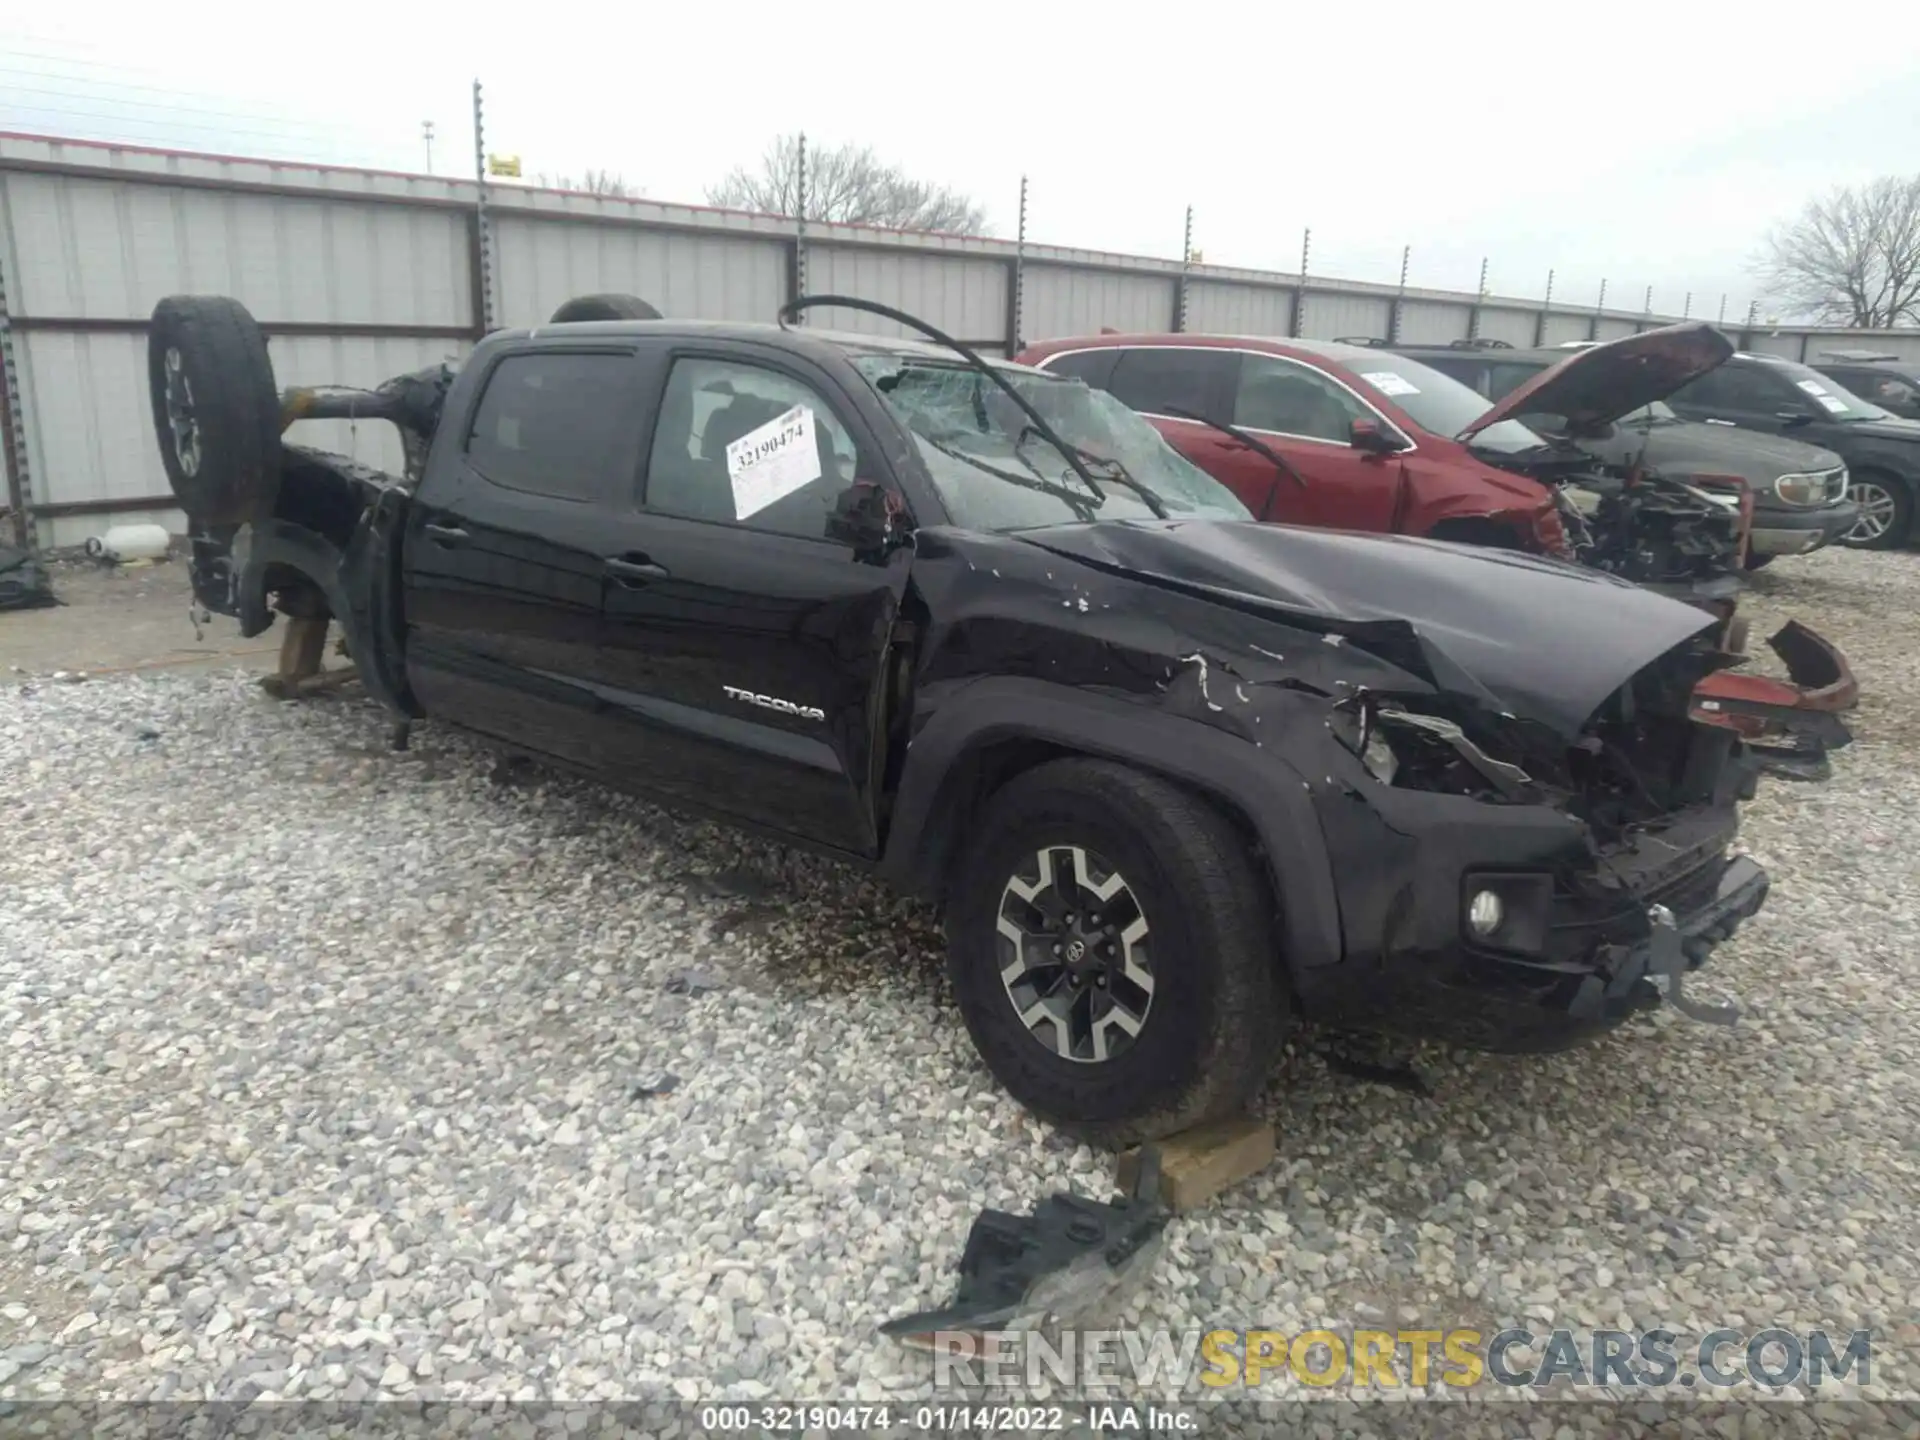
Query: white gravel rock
324 1073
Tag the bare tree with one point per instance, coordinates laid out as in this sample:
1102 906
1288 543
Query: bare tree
591 182
1851 257
849 184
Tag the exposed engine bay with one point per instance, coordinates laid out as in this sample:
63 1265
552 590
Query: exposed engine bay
1638 760
1638 525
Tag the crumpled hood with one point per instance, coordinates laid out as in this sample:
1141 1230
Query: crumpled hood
1603 383
1534 638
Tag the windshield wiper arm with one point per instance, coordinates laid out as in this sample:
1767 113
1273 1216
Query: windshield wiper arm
965 352
1257 446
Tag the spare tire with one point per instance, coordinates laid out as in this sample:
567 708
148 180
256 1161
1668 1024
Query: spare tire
604 307
216 409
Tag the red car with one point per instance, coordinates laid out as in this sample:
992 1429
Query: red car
1370 434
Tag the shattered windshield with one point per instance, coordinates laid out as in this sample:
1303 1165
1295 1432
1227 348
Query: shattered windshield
994 469
1440 404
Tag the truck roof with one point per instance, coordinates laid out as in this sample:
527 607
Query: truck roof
802 339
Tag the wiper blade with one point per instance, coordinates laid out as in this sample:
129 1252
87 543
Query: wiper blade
1259 447
966 352
1077 500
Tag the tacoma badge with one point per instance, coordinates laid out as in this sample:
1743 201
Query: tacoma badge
773 702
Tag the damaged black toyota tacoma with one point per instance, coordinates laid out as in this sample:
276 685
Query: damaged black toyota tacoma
1173 776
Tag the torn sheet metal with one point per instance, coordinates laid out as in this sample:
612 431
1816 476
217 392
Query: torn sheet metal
1072 1260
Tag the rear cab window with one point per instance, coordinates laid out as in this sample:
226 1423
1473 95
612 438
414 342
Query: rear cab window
564 425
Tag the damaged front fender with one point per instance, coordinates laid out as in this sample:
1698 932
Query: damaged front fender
1791 725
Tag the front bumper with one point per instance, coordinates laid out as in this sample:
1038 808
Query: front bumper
1599 953
1799 532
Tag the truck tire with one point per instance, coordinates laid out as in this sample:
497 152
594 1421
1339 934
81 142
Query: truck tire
1886 511
216 409
604 307
1144 926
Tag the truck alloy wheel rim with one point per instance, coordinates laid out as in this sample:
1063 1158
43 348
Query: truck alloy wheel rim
186 429
1073 955
1876 511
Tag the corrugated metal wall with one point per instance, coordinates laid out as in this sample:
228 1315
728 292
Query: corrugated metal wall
357 276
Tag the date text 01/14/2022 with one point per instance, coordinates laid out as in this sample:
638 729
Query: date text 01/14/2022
942 1419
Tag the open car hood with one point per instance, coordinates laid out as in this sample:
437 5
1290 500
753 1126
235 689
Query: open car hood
1600 384
1537 639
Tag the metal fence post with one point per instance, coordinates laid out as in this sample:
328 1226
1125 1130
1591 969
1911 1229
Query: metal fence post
482 223
1599 306
1399 297
1298 319
1753 319
13 434
1180 286
1017 279
797 272
1479 299
1540 320
1723 311
1646 314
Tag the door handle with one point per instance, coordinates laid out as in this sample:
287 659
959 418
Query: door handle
448 535
635 571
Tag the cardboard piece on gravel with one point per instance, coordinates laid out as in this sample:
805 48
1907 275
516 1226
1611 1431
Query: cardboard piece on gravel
1198 1164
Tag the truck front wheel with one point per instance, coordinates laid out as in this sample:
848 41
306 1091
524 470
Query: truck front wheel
1112 949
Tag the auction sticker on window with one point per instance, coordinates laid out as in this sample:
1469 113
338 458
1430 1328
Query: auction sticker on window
1388 383
772 462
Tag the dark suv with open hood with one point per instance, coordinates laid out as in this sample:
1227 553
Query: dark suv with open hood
1783 397
1174 776
1800 500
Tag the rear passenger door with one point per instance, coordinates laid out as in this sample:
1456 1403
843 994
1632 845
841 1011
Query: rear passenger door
745 653
503 548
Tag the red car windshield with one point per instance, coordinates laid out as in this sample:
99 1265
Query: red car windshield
1439 403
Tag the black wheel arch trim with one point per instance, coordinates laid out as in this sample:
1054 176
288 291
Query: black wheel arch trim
1270 796
265 544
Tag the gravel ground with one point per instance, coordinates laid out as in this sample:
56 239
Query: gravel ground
333 1072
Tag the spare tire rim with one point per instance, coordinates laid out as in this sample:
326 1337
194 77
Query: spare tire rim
1876 511
1073 955
180 418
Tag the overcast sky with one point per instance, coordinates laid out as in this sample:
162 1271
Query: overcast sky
1652 145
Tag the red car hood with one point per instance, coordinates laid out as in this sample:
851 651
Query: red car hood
1601 384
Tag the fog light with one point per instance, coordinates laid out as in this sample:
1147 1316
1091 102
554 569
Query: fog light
1485 912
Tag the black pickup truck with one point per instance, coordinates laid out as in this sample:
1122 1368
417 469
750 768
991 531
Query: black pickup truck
1175 777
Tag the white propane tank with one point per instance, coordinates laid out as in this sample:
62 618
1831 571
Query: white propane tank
122 543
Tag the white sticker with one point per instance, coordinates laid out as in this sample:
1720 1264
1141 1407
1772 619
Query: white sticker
1388 383
1834 403
773 461
1812 387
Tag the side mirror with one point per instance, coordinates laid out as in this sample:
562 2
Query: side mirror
1795 417
869 519
1370 437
